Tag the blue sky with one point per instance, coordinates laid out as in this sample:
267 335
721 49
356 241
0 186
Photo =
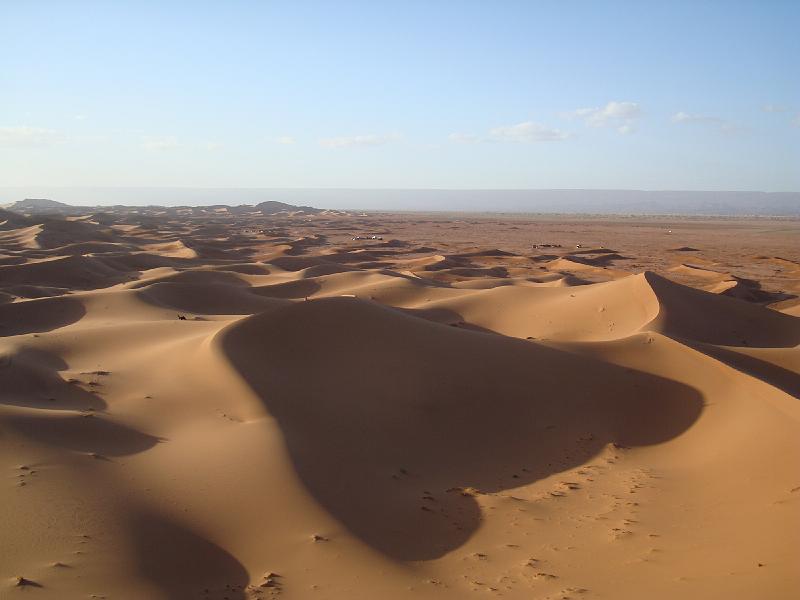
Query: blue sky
622 95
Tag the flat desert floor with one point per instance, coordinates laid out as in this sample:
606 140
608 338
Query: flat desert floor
221 405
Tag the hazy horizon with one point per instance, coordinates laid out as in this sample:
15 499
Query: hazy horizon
421 200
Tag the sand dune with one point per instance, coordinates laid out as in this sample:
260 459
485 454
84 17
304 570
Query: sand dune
217 404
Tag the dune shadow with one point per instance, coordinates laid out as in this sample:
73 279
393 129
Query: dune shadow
71 272
377 264
89 434
545 257
596 258
182 563
474 272
196 277
205 298
396 424
451 262
300 246
13 260
689 314
750 290
300 288
212 250
39 315
312 265
775 375
31 378
246 269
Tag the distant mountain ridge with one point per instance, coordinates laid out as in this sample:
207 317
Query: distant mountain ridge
566 201
38 205
45 206
271 207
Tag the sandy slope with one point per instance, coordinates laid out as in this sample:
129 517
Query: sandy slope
383 421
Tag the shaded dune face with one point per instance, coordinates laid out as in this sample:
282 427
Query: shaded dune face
776 375
31 378
97 435
367 396
39 315
68 272
179 561
692 314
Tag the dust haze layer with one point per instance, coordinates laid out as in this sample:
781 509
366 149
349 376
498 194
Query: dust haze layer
284 401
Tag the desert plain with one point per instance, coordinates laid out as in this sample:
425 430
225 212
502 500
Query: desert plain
262 402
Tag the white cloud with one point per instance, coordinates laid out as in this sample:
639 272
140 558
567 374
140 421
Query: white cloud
210 146
526 132
716 122
463 138
80 117
159 142
622 116
286 140
356 141
780 108
684 117
626 128
28 136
